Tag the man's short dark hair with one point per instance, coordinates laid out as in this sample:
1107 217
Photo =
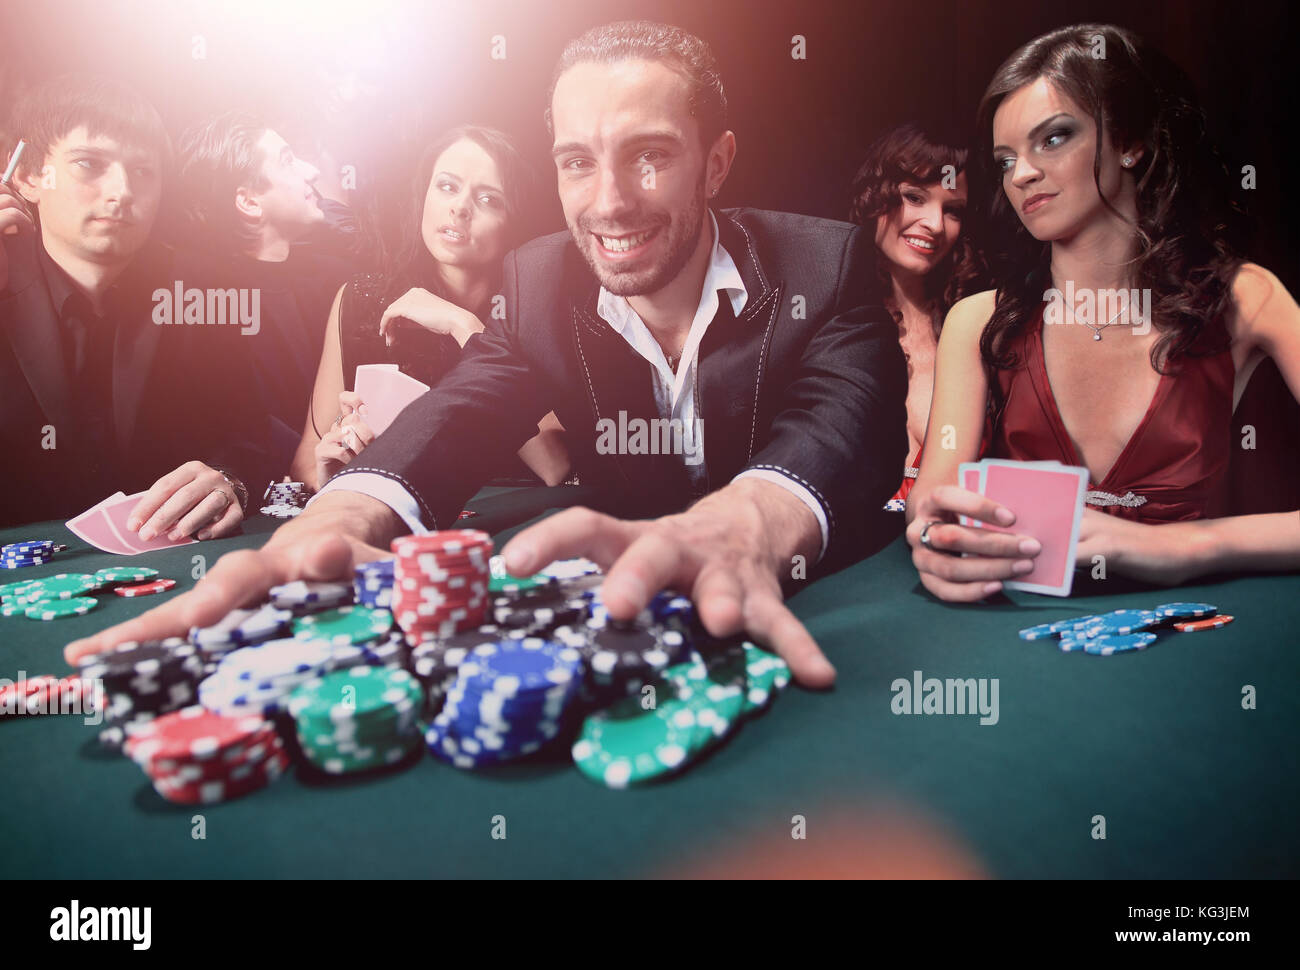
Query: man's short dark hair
216 158
54 108
645 40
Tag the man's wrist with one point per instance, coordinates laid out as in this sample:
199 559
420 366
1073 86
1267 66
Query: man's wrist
789 526
355 514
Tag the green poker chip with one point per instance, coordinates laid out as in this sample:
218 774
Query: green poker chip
626 745
765 673
516 584
60 587
58 609
8 589
344 625
113 575
14 609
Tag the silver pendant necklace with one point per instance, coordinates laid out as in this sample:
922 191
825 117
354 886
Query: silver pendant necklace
1096 331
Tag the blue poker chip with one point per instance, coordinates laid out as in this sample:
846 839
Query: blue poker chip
520 667
1123 622
1042 631
1185 611
1106 645
28 547
1075 623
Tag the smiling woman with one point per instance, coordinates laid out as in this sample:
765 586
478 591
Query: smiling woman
911 192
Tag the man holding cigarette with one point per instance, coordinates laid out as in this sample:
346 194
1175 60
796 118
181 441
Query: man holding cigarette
96 398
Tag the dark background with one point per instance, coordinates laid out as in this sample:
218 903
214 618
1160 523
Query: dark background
801 125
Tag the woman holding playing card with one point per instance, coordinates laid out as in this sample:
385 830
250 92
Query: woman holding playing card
910 193
420 314
1106 225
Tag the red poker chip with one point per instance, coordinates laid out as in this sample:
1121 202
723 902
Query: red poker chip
192 733
219 790
182 773
144 589
1205 623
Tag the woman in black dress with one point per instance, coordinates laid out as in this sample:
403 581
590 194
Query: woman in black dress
420 314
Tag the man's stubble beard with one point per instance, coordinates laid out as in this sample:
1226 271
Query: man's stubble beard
655 278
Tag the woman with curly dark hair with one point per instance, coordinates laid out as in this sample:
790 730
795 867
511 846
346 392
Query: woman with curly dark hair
1107 215
911 194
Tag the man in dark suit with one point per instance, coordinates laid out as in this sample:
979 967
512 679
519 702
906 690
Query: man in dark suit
757 339
97 398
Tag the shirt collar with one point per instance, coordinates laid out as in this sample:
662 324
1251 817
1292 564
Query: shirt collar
722 274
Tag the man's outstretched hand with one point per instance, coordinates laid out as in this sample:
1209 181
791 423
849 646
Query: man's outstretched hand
727 552
339 531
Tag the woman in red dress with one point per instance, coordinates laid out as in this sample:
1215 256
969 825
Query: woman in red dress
910 193
1105 225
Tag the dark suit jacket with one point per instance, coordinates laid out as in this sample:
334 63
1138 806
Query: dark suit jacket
172 398
809 382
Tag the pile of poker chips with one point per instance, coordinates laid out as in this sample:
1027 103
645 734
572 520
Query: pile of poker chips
64 594
195 757
357 719
142 680
28 552
440 582
696 704
372 584
284 500
1127 630
508 701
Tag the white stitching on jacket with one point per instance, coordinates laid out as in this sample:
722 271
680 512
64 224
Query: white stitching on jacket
405 484
758 377
830 513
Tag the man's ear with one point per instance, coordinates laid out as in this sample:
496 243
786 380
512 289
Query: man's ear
718 163
247 204
30 184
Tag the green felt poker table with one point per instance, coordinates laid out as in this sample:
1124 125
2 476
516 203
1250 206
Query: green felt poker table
1182 756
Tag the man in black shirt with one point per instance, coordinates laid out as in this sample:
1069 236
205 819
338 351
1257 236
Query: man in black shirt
97 399
251 204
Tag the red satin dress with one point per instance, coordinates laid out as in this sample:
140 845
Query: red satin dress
1174 467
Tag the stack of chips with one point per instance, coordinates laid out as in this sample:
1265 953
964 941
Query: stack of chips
300 597
508 700
440 582
372 584
196 757
29 552
357 719
258 680
241 628
697 704
284 500
142 680
48 694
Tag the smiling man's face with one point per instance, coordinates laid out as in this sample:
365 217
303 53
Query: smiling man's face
631 171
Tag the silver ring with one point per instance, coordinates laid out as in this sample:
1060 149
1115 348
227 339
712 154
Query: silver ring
925 534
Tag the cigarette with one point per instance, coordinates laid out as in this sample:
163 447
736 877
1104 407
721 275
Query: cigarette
13 162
